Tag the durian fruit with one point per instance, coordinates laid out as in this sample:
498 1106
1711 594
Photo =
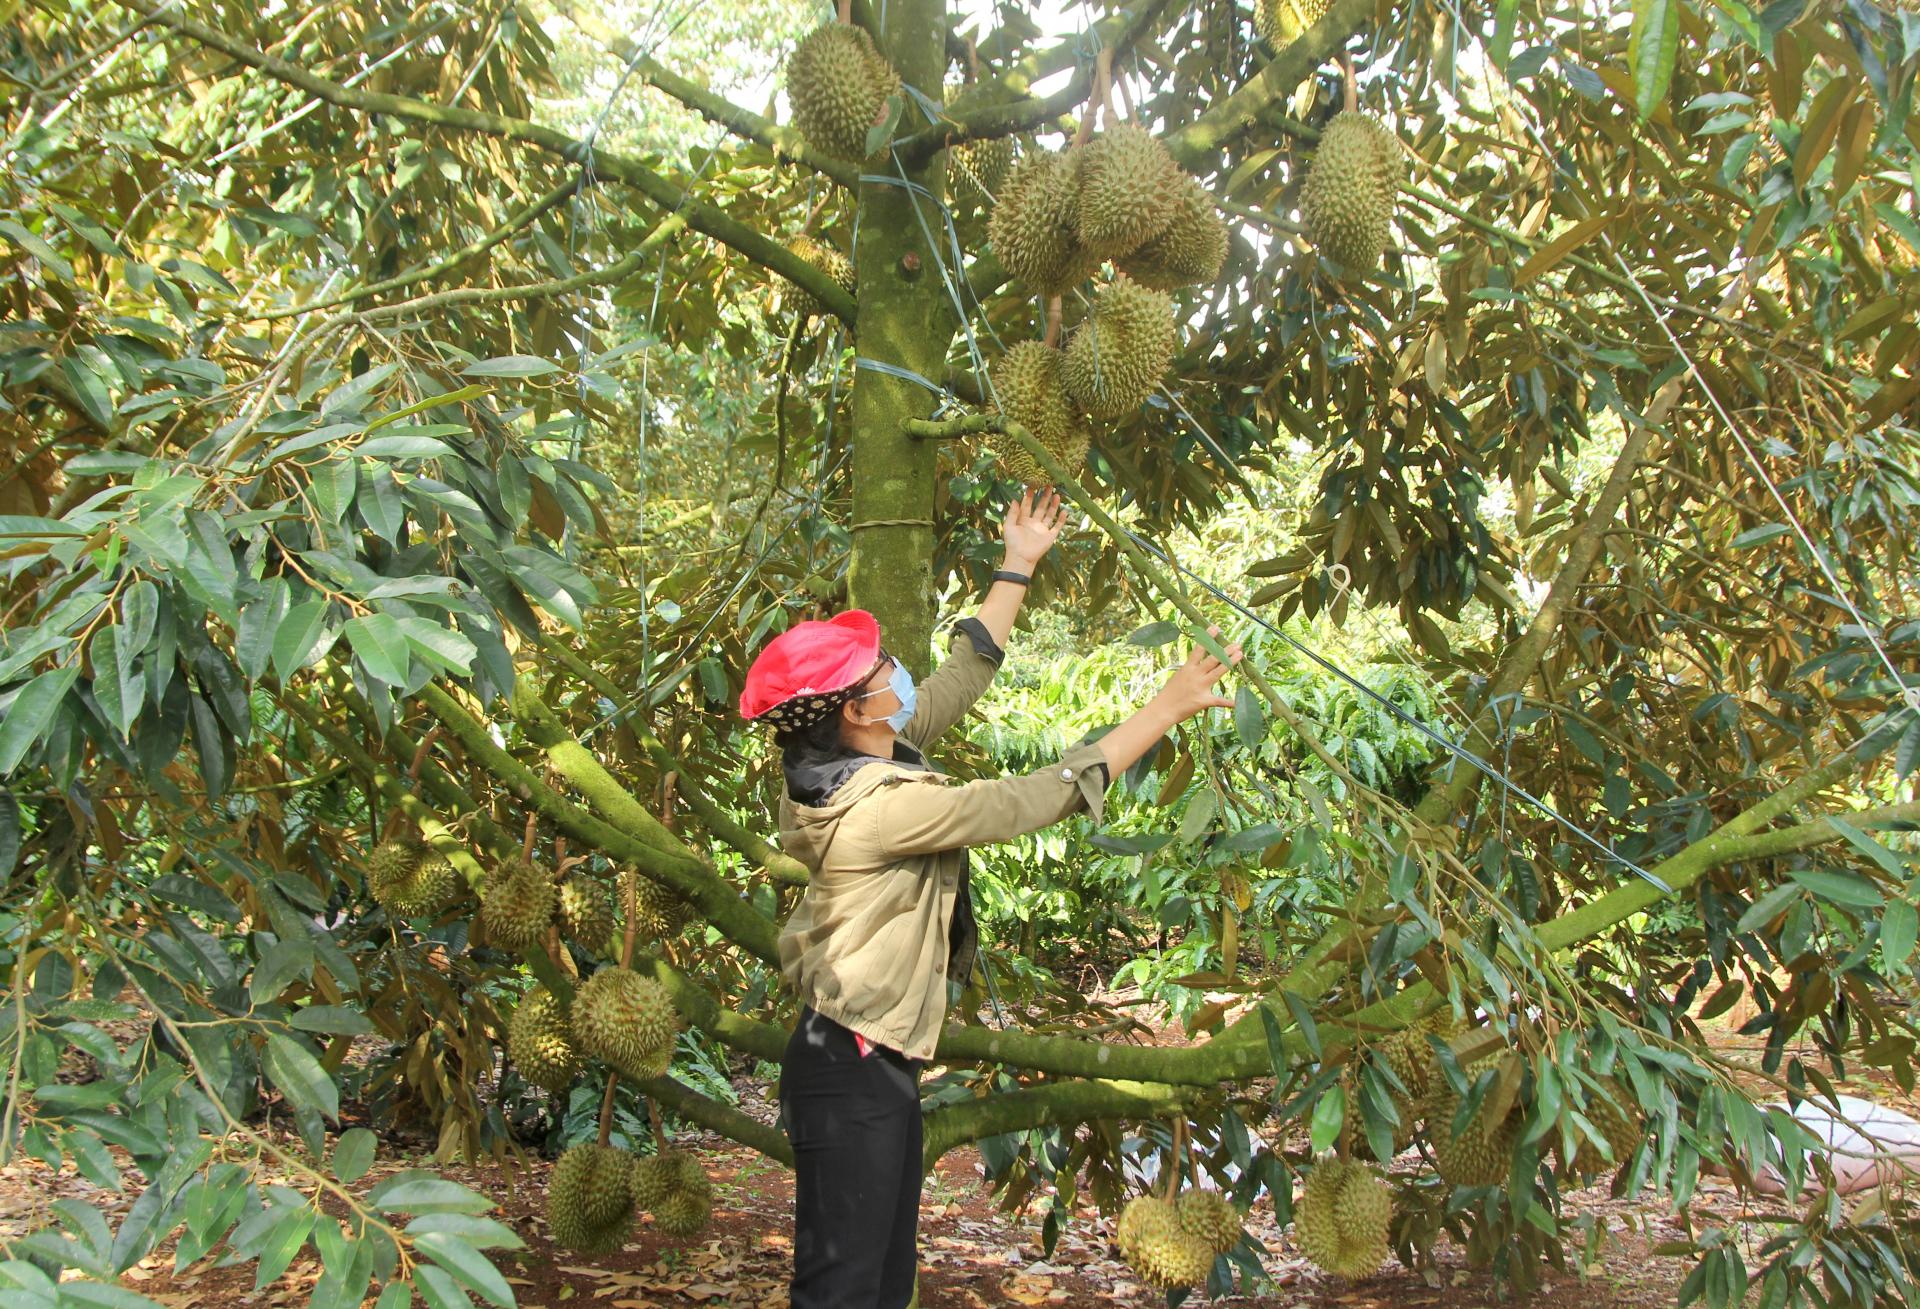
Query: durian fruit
687 1203
1119 354
1189 253
976 170
1156 1247
1481 1153
1130 191
838 85
1342 1218
659 914
1031 229
1346 202
829 261
409 879
1211 1217
1028 387
517 904
626 1020
1617 1115
1410 1057
1280 22
586 911
651 1180
540 1041
590 1199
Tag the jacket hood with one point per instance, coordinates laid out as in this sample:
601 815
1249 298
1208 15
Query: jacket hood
822 787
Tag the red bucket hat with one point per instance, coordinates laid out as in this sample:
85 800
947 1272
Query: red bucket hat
805 673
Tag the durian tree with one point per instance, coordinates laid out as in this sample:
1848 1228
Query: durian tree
352 682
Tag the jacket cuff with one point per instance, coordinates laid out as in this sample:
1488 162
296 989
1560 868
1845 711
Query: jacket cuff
983 644
1086 767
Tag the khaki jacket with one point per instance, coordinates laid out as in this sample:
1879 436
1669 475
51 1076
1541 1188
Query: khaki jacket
868 944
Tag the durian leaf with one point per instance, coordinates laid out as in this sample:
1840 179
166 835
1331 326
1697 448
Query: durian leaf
1651 50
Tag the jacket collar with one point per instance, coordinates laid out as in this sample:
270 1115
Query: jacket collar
814 775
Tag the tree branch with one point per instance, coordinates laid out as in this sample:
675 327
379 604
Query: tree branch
724 1119
1043 1106
1115 35
762 250
1196 144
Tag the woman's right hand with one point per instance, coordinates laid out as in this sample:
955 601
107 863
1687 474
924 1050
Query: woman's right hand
1190 690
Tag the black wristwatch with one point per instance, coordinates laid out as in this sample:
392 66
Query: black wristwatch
1008 575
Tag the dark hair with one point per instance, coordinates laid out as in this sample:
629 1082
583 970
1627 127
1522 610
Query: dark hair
822 736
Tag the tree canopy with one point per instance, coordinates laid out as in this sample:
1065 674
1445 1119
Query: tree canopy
413 418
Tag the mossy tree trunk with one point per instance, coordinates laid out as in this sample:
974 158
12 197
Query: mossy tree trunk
905 322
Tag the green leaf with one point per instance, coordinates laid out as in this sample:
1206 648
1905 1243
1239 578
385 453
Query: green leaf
511 366
480 1233
427 1195
1898 926
1249 717
353 1154
395 1295
1758 535
438 1288
331 1019
90 391
116 683
290 1066
282 963
31 713
290 1232
1869 847
1838 887
38 248
1767 907
1329 1116
381 647
1651 49
468 1264
259 623
104 1295
1153 634
300 638
405 447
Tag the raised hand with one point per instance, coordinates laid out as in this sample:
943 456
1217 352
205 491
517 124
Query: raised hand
1032 525
1189 690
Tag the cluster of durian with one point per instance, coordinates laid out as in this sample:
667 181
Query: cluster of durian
409 879
839 85
1346 203
1173 1244
829 261
1280 22
1478 1152
597 1190
617 1016
1342 1218
1121 198
520 901
658 914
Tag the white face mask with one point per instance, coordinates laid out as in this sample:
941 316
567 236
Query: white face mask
900 682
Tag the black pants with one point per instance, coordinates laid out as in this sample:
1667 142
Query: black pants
855 1126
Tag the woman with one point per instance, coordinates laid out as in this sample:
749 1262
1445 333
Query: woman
884 938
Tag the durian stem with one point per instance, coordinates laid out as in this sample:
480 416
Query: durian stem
630 909
606 1109
526 842
427 738
1054 311
844 12
1347 78
658 1125
1177 1157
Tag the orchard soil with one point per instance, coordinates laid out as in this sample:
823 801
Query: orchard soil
971 1254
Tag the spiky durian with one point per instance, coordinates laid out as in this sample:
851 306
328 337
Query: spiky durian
1211 1217
1119 354
651 1180
626 1020
1346 202
1031 229
658 914
1156 1247
517 904
1280 22
829 261
976 170
409 879
586 911
687 1202
1191 250
540 1041
1616 1115
838 85
590 1199
1130 191
1028 388
1342 1218
1481 1152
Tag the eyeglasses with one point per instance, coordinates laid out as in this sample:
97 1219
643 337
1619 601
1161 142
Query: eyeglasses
885 664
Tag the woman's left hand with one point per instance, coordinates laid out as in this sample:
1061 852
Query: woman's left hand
1032 526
